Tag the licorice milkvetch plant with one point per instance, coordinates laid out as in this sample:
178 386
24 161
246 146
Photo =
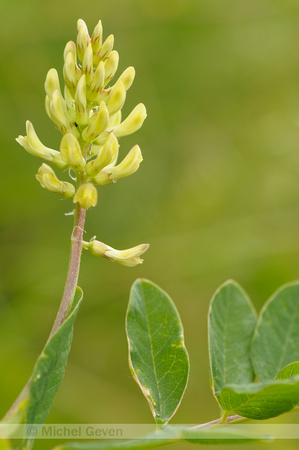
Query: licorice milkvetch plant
254 359
88 113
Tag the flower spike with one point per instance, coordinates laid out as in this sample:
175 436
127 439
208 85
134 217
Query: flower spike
87 110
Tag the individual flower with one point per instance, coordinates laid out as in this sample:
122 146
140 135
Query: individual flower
127 167
48 180
86 196
129 257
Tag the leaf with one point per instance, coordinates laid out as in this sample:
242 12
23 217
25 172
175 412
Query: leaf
50 368
288 371
276 338
232 320
261 401
157 354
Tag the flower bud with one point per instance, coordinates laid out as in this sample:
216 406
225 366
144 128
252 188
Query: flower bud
111 65
80 102
70 75
52 82
112 123
117 98
98 124
107 155
70 48
129 257
96 38
97 82
106 48
127 77
57 110
132 123
83 38
70 151
48 180
87 65
128 166
86 196
70 104
33 145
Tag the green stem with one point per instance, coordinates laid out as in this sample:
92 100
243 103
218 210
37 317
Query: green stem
74 267
229 419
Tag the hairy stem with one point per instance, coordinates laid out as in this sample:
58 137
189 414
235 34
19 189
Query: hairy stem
74 267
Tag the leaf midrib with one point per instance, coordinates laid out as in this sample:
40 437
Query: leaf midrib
152 353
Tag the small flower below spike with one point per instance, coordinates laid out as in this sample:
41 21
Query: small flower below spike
129 257
86 196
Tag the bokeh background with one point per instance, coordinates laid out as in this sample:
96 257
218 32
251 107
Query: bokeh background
217 195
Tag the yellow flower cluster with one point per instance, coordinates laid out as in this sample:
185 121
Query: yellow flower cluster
88 114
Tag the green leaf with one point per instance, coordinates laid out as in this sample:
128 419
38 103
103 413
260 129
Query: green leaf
288 371
50 368
276 338
157 354
261 400
232 320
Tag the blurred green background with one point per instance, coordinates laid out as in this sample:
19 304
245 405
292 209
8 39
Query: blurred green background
217 195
